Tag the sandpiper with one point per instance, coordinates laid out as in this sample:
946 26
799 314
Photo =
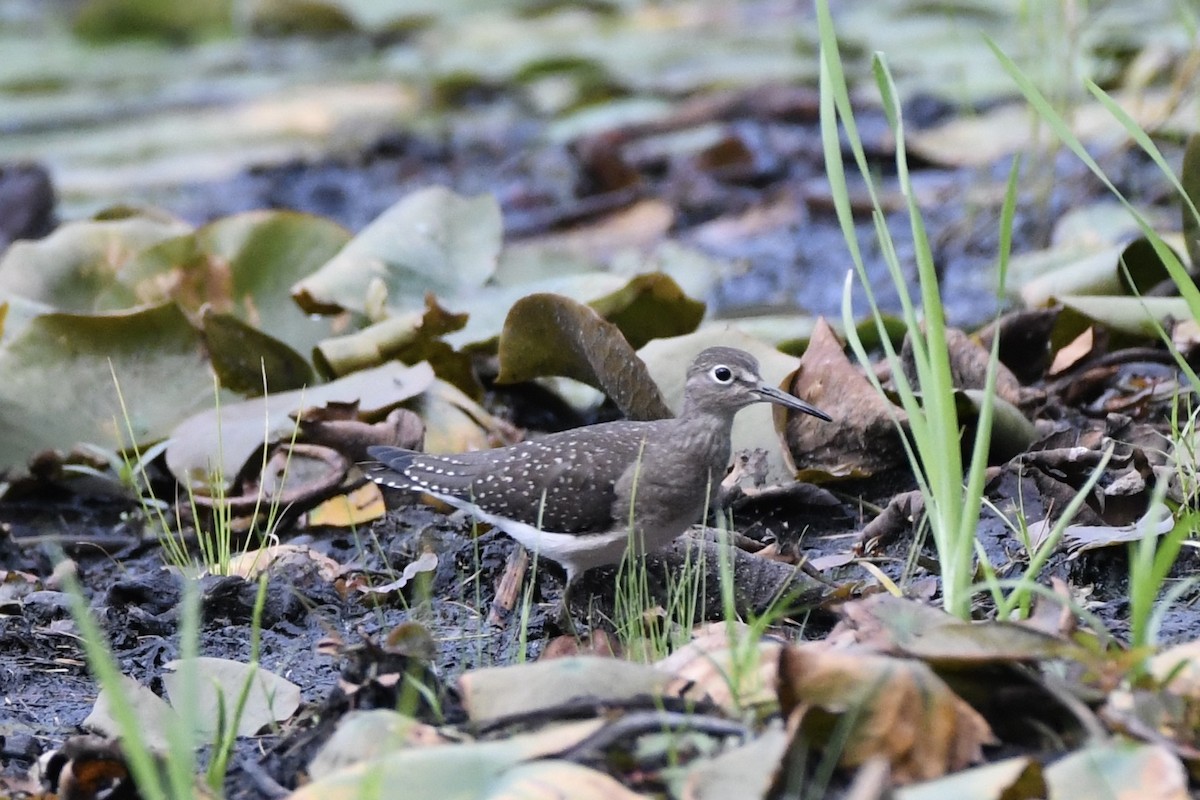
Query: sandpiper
584 497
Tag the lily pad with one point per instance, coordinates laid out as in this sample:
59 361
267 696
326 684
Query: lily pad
79 268
650 306
433 240
266 252
58 386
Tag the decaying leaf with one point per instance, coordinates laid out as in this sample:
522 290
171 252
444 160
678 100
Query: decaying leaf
359 507
212 446
218 687
902 626
862 440
410 337
968 366
454 423
424 563
495 692
721 665
896 708
251 563
1077 539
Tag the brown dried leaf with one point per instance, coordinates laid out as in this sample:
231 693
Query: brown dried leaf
359 507
968 366
862 440
899 709
717 666
907 627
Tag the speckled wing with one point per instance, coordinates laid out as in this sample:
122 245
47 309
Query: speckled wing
564 482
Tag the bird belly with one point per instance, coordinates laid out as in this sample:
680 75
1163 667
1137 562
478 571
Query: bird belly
577 552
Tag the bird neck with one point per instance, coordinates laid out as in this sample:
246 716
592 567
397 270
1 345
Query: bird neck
704 433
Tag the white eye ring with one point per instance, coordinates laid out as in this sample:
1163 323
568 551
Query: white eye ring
721 374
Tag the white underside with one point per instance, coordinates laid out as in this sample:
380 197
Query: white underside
577 552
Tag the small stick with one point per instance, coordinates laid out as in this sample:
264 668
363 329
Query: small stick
508 588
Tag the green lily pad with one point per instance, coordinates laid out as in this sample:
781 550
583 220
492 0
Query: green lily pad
80 267
1133 316
433 240
268 251
243 265
58 385
650 306
251 362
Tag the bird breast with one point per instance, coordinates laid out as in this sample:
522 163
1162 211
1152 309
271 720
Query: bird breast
673 482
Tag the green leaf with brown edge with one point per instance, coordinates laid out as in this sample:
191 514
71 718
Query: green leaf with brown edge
1131 316
432 240
80 267
1190 179
650 306
58 384
548 334
267 252
244 265
247 361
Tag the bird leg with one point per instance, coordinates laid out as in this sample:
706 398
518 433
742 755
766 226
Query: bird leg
563 613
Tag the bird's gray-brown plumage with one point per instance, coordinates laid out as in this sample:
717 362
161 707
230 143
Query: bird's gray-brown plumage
581 497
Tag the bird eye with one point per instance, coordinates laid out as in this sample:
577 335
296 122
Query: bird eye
722 374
